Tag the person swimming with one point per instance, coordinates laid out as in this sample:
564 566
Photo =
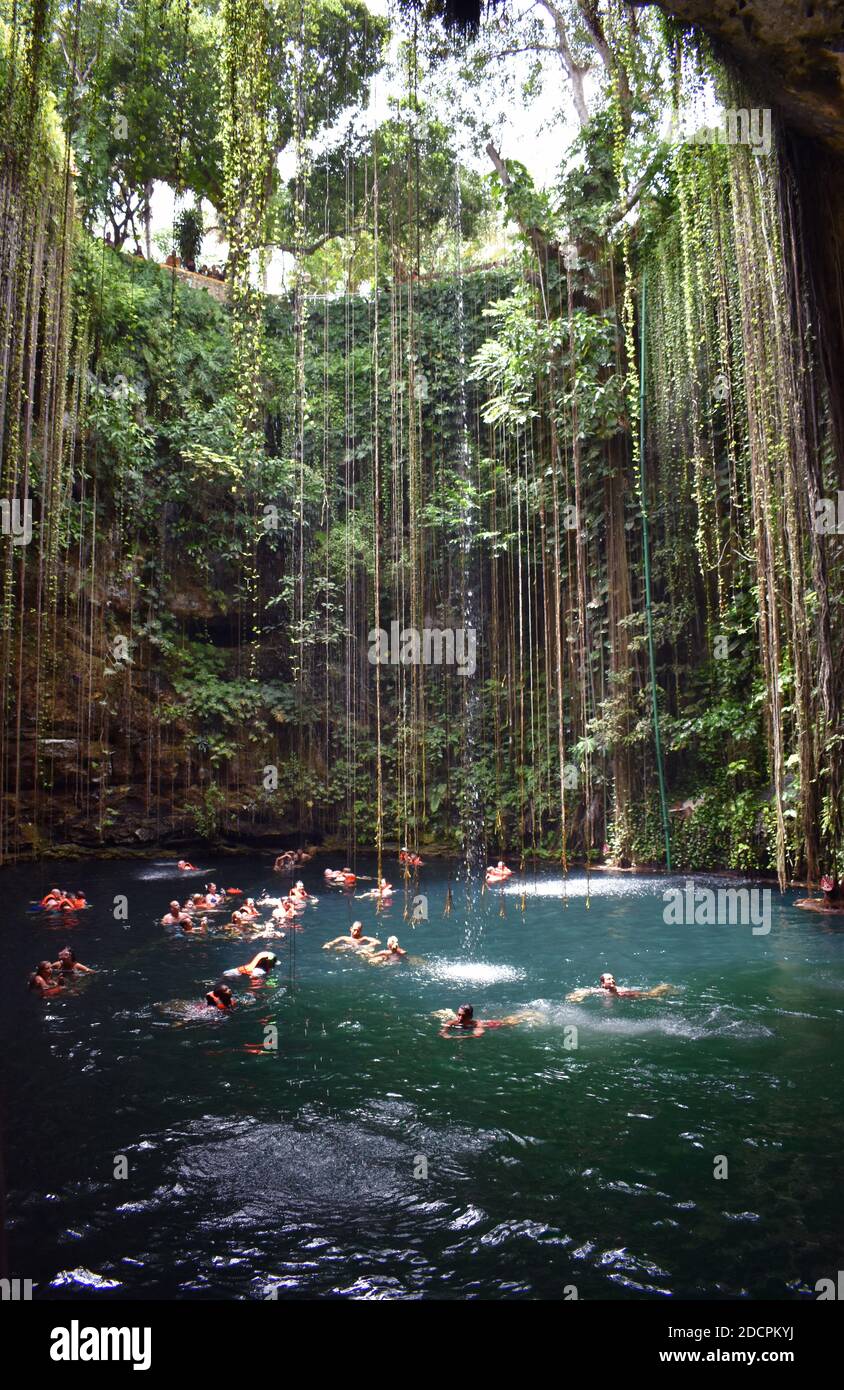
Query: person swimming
607 985
186 864
393 953
193 928
355 941
68 965
383 891
220 997
43 981
465 1025
176 916
259 965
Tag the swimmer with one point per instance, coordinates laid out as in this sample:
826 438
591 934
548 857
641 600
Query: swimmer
497 873
186 864
220 997
607 985
267 931
833 893
355 941
465 1025
175 917
393 953
42 981
384 890
68 965
259 965
192 928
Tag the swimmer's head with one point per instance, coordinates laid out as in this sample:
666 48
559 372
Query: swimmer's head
45 968
356 929
465 1013
392 943
65 954
174 906
607 981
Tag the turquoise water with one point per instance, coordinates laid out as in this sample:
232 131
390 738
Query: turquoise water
548 1164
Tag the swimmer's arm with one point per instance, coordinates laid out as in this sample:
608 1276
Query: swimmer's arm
338 941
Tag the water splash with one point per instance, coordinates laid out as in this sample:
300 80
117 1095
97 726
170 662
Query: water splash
477 972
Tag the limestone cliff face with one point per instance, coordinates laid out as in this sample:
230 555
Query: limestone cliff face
789 51
789 54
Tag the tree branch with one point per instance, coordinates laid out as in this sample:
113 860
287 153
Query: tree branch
573 70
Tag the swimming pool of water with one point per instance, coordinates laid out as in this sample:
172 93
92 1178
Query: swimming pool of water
368 1157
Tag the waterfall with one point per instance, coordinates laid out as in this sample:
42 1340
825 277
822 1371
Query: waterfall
471 871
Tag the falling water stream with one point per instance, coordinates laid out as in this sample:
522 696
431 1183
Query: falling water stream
472 814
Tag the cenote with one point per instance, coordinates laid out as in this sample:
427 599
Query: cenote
548 1165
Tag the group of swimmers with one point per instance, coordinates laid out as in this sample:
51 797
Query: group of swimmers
59 900
344 878
190 918
51 977
465 1025
213 898
291 859
365 946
